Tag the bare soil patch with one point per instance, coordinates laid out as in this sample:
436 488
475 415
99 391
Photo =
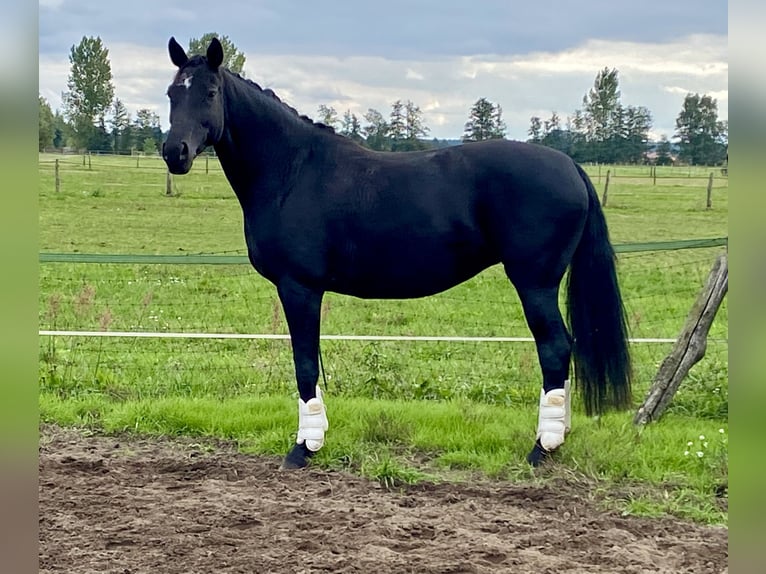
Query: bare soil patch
124 505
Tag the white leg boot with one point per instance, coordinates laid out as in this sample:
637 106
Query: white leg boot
555 417
312 422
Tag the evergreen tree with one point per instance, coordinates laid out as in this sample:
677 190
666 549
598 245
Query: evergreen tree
351 128
485 122
414 128
397 123
535 131
498 124
120 124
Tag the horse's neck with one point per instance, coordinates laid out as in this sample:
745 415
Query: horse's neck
260 141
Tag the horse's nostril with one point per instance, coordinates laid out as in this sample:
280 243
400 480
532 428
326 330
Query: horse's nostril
184 150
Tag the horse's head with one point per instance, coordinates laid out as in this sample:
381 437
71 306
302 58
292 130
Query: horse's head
196 105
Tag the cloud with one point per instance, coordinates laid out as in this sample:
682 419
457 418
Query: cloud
657 76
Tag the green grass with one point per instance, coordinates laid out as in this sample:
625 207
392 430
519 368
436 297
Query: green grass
399 412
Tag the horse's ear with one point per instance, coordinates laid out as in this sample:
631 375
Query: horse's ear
177 54
214 54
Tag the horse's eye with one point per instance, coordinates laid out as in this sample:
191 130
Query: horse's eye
211 94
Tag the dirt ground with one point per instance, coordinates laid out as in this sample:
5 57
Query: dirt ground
129 506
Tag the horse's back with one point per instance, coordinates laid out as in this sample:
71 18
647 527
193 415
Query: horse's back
402 225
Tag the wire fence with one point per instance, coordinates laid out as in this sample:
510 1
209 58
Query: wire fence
125 324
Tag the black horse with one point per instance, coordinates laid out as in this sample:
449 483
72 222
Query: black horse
322 213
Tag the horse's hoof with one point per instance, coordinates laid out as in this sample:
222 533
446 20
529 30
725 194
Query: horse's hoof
298 457
538 455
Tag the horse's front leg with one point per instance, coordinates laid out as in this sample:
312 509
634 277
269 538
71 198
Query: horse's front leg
302 310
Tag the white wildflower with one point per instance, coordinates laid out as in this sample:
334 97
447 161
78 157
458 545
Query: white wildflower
700 454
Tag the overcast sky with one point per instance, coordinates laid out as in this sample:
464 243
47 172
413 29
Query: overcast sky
532 58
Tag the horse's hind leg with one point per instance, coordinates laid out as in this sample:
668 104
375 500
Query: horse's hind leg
554 351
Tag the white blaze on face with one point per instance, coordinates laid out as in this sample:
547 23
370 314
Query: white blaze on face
554 419
184 80
312 422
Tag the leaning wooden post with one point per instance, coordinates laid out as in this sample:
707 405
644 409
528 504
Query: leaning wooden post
57 178
168 184
89 166
710 191
207 157
606 188
690 346
654 175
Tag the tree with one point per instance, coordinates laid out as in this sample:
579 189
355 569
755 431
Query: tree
376 130
46 127
149 146
328 115
233 59
120 124
397 123
553 135
60 129
535 131
146 126
701 136
414 128
351 128
90 89
484 122
498 124
663 152
636 123
600 106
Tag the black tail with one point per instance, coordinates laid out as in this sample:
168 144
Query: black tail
597 317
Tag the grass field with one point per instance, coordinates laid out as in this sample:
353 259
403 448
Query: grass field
399 411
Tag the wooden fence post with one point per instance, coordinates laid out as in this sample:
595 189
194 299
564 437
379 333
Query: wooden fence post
207 157
89 166
168 184
58 178
654 175
606 188
710 191
690 346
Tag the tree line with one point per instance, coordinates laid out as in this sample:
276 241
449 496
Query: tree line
603 130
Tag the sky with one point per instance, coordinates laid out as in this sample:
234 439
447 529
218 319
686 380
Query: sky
532 58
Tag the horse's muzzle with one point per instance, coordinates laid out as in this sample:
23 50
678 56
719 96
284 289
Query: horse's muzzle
177 157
